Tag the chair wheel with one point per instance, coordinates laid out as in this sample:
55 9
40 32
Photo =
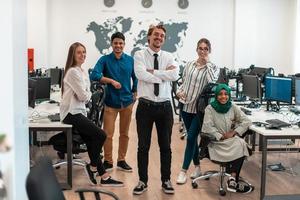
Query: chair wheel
194 185
222 192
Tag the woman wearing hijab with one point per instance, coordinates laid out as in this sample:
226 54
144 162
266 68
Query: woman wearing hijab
226 122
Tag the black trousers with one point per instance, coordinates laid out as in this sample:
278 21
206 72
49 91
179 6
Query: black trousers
235 166
92 135
147 114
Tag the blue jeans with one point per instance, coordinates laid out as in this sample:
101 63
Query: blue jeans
193 124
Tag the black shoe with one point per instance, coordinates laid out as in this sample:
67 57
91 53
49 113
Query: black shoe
167 187
122 165
231 184
244 188
111 182
140 188
107 166
91 174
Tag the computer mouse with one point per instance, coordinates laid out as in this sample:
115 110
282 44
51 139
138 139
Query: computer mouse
52 101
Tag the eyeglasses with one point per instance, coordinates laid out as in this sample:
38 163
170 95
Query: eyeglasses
203 49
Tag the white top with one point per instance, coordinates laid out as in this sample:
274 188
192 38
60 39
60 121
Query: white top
194 80
76 92
144 60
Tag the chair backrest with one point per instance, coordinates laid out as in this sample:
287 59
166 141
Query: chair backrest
97 103
175 100
97 192
41 183
205 96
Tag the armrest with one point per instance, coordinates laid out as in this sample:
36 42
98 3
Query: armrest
248 132
95 191
208 137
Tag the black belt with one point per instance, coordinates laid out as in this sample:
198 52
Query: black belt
153 103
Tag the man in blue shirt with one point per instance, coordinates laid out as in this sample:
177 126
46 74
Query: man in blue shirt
116 71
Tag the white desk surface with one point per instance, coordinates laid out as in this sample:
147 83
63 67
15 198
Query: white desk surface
38 117
261 115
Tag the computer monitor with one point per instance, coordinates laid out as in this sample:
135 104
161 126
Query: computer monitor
43 88
223 78
261 72
297 91
251 86
32 84
55 75
278 89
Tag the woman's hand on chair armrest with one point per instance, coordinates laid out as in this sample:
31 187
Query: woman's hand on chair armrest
229 134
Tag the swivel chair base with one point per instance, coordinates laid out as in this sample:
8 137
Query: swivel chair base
207 175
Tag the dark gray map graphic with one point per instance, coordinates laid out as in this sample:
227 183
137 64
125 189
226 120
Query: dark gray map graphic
176 32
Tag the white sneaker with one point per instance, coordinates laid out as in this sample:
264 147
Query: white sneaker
181 179
196 173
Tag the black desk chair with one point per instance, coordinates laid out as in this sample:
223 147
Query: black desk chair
95 109
59 143
205 140
96 105
41 184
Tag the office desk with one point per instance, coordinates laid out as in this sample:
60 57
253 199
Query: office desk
44 124
57 126
285 133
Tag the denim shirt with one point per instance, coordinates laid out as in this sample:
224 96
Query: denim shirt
120 70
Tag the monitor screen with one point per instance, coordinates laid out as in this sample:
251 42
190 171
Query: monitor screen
278 89
43 88
297 91
55 75
251 86
32 84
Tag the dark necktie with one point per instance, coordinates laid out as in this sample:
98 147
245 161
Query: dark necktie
156 85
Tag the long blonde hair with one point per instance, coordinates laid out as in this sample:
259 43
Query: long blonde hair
71 60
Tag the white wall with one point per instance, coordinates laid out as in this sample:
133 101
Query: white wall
68 20
38 30
13 105
265 34
297 43
242 32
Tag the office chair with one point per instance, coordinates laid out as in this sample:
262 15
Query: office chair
203 100
41 183
96 105
59 143
205 140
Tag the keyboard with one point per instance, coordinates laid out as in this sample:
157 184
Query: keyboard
277 123
54 118
295 110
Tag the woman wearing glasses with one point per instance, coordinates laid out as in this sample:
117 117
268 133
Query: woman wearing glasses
195 76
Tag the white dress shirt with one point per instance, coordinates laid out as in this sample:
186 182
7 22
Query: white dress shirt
144 60
76 92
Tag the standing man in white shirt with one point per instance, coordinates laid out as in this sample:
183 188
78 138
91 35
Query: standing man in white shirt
154 69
